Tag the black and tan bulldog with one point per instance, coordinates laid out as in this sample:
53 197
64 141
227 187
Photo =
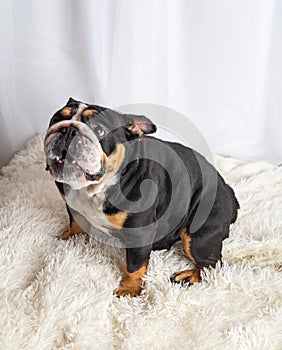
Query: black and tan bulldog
100 160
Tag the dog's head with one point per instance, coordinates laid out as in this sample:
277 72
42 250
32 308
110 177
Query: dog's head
82 137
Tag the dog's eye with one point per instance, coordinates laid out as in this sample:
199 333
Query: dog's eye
99 131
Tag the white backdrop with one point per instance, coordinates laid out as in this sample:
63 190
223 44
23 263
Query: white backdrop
218 62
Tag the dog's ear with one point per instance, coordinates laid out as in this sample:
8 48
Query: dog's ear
139 125
71 100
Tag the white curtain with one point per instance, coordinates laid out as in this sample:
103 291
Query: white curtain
217 62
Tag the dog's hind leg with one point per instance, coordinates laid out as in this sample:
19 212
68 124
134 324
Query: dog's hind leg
187 276
203 249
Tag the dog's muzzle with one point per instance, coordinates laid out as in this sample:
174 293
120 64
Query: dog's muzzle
74 154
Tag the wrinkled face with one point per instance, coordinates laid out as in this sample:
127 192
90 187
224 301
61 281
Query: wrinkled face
81 137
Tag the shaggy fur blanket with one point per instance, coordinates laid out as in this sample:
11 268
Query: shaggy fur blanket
58 294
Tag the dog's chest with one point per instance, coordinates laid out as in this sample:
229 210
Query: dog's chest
90 206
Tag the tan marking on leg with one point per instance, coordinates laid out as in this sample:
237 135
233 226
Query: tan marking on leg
131 282
74 229
186 276
89 113
117 220
187 242
66 111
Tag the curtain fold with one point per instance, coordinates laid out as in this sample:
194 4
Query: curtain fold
218 63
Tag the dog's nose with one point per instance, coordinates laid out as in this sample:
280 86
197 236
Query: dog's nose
69 130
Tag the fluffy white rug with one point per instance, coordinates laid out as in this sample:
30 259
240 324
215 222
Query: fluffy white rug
58 295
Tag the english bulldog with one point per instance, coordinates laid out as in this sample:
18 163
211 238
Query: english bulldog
100 160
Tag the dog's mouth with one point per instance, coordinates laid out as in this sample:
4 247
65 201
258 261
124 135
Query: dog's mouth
69 167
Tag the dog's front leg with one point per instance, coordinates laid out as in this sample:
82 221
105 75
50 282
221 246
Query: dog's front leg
135 268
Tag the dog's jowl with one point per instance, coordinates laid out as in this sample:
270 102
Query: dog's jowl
146 192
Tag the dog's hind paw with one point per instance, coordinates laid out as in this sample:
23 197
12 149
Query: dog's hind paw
187 276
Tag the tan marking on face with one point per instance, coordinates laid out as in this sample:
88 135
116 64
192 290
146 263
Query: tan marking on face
191 276
66 111
187 242
89 113
117 220
131 282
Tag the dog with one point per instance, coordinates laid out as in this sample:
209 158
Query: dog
101 158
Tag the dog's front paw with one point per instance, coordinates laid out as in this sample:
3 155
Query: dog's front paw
66 235
124 289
